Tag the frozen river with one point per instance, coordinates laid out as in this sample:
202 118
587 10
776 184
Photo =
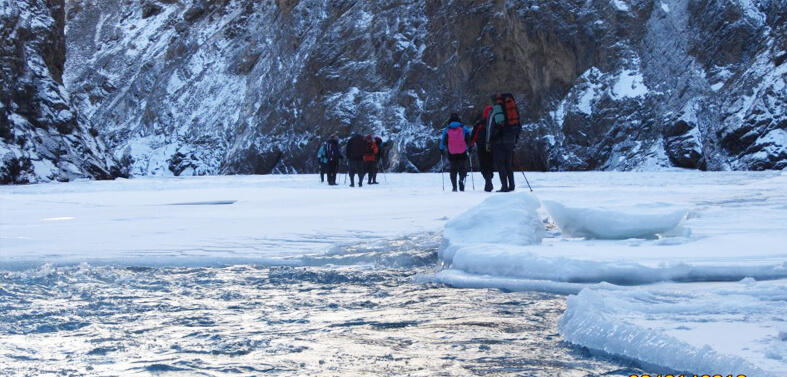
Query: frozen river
674 271
281 321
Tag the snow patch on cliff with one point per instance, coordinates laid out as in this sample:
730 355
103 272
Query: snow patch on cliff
621 5
630 84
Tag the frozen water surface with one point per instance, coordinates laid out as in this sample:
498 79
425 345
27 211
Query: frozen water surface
266 320
591 274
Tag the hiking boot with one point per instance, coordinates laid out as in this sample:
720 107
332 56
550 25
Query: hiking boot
352 184
504 189
488 187
461 187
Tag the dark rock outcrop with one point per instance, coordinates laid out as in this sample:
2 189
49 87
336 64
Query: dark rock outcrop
683 145
41 137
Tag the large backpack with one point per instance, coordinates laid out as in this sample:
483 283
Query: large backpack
332 151
510 110
322 155
456 140
356 147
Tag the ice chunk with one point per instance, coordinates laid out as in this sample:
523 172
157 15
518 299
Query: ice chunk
508 219
678 329
639 221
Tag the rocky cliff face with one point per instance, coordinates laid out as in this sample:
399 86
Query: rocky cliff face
41 137
242 86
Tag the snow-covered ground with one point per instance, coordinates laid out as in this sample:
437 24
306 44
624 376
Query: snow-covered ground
682 271
198 221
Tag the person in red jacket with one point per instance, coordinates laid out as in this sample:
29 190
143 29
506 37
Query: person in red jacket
479 140
370 158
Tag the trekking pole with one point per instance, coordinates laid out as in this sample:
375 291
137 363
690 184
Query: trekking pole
528 183
441 170
472 177
345 172
383 169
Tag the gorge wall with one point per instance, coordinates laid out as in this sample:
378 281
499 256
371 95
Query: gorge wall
242 86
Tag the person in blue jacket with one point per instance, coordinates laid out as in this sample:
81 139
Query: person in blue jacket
454 142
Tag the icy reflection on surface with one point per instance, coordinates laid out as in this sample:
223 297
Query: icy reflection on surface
245 320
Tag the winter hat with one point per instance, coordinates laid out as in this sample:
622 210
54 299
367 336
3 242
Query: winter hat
455 118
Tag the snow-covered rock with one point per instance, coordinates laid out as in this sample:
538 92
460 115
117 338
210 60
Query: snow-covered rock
41 135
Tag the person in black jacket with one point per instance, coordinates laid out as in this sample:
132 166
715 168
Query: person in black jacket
356 147
485 158
322 159
333 155
501 141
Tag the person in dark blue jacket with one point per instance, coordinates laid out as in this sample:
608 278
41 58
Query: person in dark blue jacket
454 142
333 155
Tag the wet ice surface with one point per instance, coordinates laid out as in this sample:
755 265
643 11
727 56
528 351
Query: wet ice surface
323 319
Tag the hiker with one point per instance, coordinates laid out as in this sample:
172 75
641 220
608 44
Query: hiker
503 130
377 158
333 155
322 159
485 158
370 159
454 143
356 148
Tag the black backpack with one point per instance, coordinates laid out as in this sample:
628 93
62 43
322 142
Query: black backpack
356 147
332 150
